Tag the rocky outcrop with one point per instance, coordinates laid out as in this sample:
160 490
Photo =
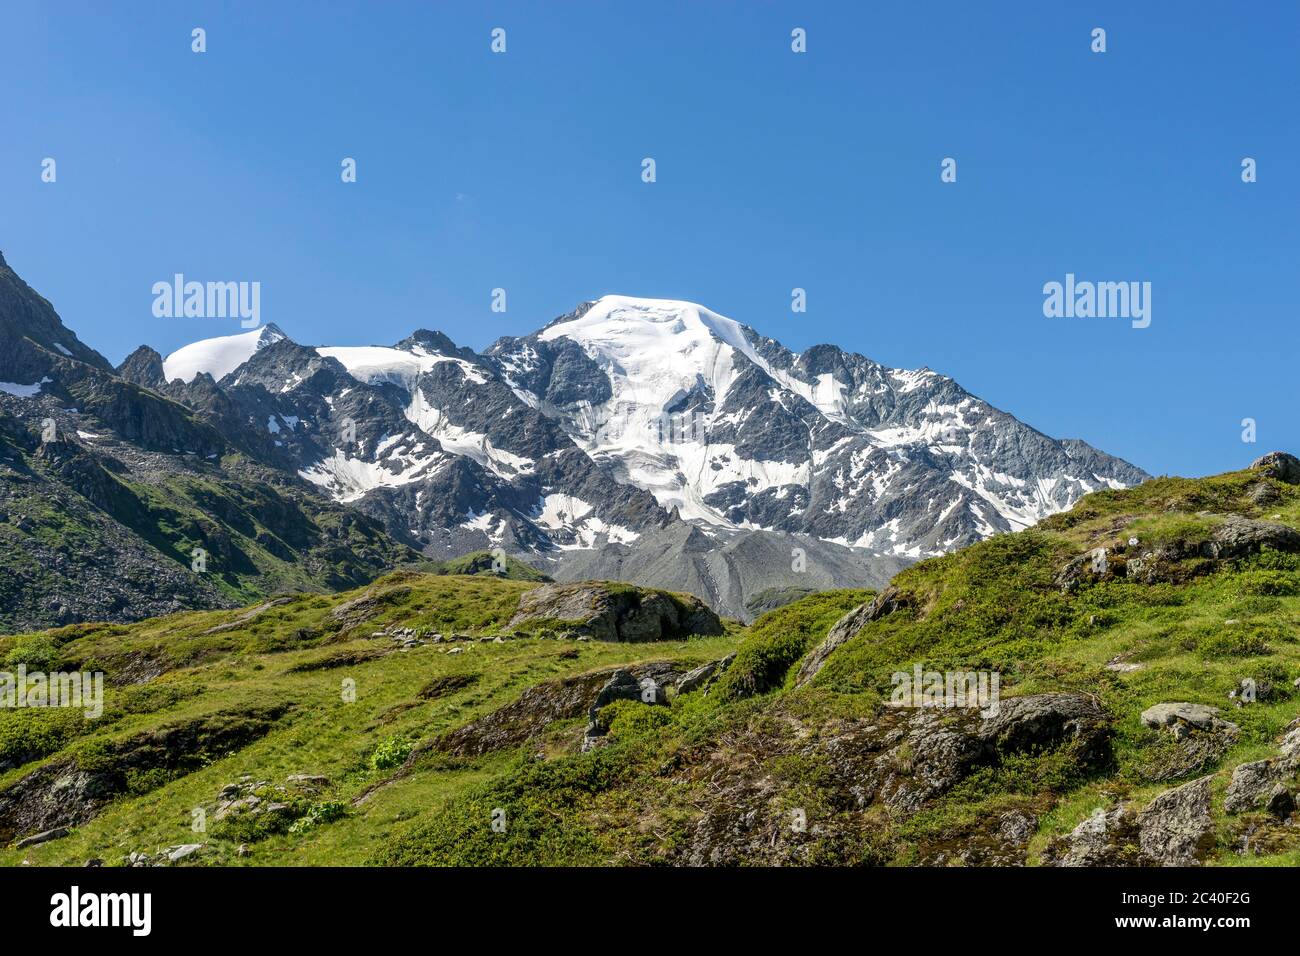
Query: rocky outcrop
1181 719
607 612
886 602
894 764
703 676
537 708
70 791
1175 829
622 685
1237 537
1279 465
1268 784
1229 538
1048 721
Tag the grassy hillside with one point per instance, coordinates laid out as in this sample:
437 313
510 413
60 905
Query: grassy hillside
295 654
454 753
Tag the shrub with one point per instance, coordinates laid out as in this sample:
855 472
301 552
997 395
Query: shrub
1240 642
36 653
31 733
318 814
391 753
1270 583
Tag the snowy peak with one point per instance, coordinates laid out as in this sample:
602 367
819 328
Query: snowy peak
627 410
220 356
734 430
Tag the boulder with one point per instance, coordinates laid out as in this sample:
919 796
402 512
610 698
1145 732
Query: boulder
1051 720
177 853
1237 537
703 675
1179 716
623 685
1176 828
1280 801
1279 465
38 838
613 613
1106 838
1250 782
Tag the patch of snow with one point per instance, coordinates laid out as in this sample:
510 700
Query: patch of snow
218 357
23 391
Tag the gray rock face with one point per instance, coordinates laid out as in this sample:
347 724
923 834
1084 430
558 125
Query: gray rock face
1237 537
1175 829
1268 784
1106 838
726 568
817 470
896 762
1050 720
608 613
896 462
1279 465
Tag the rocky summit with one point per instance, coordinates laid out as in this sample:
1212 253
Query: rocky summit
645 440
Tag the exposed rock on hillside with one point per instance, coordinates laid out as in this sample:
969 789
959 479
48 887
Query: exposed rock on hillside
846 628
1175 829
71 791
528 717
608 612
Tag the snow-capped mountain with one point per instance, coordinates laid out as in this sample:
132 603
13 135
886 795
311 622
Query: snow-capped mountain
738 432
424 435
218 356
614 421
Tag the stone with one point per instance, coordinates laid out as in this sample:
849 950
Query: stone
175 854
1280 802
1177 716
1106 838
703 675
1279 465
1053 719
1237 537
307 780
886 602
45 837
1176 828
609 613
1250 782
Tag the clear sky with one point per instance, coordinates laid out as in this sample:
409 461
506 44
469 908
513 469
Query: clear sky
775 170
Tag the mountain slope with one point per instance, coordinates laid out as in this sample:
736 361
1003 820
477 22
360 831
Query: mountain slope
792 751
581 449
110 490
579 445
736 431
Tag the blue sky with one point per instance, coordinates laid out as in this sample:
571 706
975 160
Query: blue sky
775 171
